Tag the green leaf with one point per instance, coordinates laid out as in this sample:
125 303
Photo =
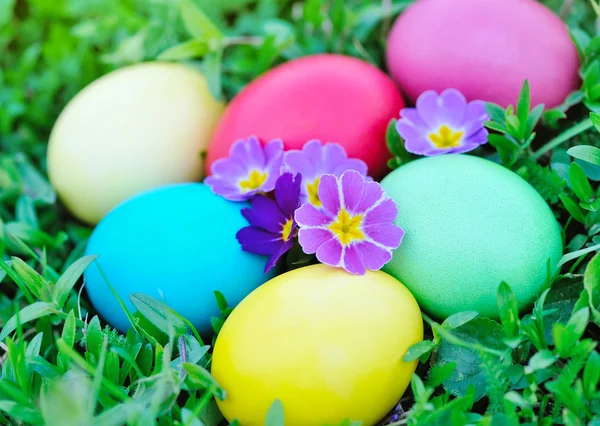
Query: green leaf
595 117
509 310
418 350
552 116
591 375
482 331
540 361
202 377
591 283
573 209
275 414
496 112
195 48
439 374
506 148
580 184
189 419
196 23
534 117
588 153
395 144
312 13
459 319
34 281
69 278
523 106
27 314
158 313
513 124
567 336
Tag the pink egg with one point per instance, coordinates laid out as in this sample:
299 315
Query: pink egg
485 49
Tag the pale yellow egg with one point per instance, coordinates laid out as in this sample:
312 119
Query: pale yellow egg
134 129
327 344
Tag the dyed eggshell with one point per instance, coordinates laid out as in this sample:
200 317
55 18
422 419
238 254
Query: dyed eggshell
485 49
175 243
134 129
470 224
327 344
333 98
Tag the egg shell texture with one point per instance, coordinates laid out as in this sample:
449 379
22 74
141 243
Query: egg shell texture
327 344
136 128
333 98
485 49
175 243
470 224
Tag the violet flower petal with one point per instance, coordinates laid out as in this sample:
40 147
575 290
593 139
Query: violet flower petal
353 261
311 239
330 252
264 214
287 193
329 194
258 241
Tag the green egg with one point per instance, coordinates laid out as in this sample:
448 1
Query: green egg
470 224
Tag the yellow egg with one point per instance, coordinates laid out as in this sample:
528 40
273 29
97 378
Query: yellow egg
327 344
134 129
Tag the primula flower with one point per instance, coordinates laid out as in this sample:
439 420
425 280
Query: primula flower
272 226
316 159
443 124
249 169
355 227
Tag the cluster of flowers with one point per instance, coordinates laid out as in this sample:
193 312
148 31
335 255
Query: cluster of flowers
325 198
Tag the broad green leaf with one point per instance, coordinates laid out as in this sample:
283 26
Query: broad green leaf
418 350
27 314
595 117
482 331
580 184
439 374
312 13
523 106
69 278
189 419
591 375
190 49
567 336
275 414
24 414
541 360
158 313
508 309
496 112
591 282
201 376
459 319
196 23
93 337
534 117
573 208
588 153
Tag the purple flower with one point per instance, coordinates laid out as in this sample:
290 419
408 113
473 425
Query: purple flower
355 228
316 159
249 169
443 124
272 226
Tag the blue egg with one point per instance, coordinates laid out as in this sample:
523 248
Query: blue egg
176 243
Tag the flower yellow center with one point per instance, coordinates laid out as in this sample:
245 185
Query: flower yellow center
254 181
347 228
446 137
313 193
287 230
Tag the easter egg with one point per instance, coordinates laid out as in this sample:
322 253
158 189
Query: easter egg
177 244
136 128
327 344
332 98
470 224
484 48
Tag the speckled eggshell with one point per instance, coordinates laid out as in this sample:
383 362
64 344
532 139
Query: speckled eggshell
327 344
485 49
175 243
470 224
136 128
333 98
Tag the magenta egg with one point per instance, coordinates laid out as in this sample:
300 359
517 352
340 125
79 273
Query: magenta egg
485 49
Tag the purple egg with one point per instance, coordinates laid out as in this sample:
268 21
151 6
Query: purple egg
485 49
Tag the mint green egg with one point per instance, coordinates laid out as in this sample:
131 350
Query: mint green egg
470 224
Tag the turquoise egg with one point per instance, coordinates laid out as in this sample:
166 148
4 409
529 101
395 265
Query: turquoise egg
175 243
470 224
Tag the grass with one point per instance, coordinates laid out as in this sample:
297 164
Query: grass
61 366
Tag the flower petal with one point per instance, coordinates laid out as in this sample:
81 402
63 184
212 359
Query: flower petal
287 193
228 167
309 216
265 214
388 235
353 261
283 249
329 194
296 161
226 190
311 239
372 193
352 188
248 152
272 166
259 241
330 252
385 212
427 107
452 108
373 256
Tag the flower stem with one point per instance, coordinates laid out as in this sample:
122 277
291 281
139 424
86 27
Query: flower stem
563 137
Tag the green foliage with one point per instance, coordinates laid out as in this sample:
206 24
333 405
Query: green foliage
62 365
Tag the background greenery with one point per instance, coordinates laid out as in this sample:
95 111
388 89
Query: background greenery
61 366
